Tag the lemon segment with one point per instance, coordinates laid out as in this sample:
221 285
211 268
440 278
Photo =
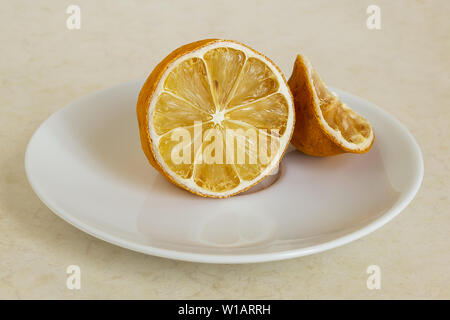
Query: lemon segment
179 156
252 150
172 112
190 81
224 66
256 81
266 113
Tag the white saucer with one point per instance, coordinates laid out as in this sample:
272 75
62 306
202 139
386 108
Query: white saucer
86 164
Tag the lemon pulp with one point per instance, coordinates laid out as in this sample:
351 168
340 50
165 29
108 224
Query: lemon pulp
224 89
353 127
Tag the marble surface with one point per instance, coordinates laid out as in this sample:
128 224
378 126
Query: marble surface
404 68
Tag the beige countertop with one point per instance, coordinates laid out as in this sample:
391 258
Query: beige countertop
404 68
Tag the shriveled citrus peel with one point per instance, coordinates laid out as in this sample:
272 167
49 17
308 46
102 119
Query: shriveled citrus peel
220 85
324 125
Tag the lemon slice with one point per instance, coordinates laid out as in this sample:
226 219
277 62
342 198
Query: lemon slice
324 124
215 117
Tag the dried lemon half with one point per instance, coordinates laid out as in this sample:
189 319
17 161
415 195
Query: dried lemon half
215 117
325 125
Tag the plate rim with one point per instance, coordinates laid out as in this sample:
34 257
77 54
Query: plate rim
393 211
